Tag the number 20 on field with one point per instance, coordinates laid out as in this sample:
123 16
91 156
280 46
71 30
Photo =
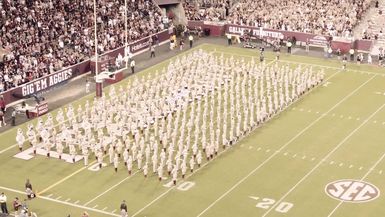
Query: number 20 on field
266 203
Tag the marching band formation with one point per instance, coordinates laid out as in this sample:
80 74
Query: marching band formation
171 123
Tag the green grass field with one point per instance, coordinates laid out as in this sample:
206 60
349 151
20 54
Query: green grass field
281 169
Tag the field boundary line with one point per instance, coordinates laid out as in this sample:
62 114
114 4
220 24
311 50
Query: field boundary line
308 64
362 179
285 145
324 159
62 202
222 152
112 187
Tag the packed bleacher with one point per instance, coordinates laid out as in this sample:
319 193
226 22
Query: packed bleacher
42 36
216 10
336 17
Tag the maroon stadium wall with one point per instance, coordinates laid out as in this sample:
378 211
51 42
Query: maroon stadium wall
62 76
316 40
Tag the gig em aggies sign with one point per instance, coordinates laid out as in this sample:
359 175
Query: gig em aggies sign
354 191
46 82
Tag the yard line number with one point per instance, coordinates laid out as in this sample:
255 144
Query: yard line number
184 186
266 203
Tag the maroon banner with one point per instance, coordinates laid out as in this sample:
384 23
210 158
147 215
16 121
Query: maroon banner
42 108
363 45
316 40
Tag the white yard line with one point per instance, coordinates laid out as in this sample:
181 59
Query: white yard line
324 159
112 187
275 153
362 179
62 202
284 146
64 179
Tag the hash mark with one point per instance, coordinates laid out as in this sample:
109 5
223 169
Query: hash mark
331 162
76 202
58 198
309 111
295 155
341 164
268 150
358 119
351 166
286 154
374 122
313 159
341 116
113 211
50 195
68 199
380 172
301 109
317 112
350 117
333 114
259 149
104 208
360 168
304 157
250 147
95 206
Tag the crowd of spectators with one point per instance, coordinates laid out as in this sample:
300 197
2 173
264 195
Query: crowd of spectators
42 36
325 17
210 10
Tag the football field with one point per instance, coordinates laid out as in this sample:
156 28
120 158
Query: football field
322 156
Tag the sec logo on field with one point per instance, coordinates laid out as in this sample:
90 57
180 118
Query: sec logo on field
354 191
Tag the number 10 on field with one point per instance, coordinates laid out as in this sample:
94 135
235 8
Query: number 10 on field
266 203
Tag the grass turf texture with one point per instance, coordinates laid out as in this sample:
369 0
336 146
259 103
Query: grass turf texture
332 133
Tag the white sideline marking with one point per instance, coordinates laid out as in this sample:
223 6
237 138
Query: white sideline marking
326 157
61 202
286 144
112 187
362 179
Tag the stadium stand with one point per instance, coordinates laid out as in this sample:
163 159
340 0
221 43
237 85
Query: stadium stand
43 36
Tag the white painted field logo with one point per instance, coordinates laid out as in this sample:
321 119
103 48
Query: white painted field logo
354 191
